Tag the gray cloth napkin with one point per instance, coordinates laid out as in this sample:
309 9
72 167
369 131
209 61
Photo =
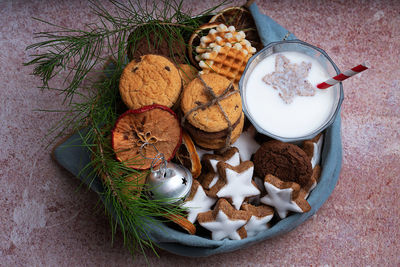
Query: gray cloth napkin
74 158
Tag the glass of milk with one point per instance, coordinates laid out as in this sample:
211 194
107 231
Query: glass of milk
305 116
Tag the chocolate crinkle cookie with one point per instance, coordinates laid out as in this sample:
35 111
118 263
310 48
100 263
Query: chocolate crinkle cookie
286 161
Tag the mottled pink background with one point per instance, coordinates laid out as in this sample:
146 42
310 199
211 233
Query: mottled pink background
45 220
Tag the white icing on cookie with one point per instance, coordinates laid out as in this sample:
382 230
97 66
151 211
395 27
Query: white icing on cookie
280 199
260 185
233 161
316 158
223 227
256 225
200 203
246 144
238 186
213 181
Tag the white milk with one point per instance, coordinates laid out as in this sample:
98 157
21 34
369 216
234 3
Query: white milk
299 118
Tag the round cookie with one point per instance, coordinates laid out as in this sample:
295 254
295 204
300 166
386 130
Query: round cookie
187 72
153 80
220 142
286 161
211 119
199 134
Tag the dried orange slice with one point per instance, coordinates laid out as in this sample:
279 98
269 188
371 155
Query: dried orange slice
236 16
194 40
241 19
140 135
187 155
182 222
132 181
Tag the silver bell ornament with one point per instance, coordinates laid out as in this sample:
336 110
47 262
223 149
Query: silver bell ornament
170 181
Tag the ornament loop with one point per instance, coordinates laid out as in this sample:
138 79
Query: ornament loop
159 157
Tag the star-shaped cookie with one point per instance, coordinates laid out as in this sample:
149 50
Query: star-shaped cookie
313 149
210 161
246 144
313 181
290 79
235 183
224 221
197 202
260 216
284 196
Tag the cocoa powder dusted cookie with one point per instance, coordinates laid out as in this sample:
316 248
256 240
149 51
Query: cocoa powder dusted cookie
235 183
284 196
211 119
153 80
225 221
260 216
197 202
286 161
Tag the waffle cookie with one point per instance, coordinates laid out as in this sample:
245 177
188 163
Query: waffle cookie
224 51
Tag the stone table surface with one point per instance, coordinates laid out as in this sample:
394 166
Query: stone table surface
46 221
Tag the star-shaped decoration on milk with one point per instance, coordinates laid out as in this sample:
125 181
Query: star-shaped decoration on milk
200 203
280 199
238 186
233 161
223 227
246 144
256 225
290 79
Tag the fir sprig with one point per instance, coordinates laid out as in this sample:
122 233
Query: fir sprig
96 104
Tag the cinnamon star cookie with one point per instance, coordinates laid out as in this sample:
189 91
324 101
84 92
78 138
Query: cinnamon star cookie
210 161
284 196
313 149
260 216
197 202
224 221
235 183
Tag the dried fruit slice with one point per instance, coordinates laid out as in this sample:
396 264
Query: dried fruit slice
181 221
139 134
194 40
133 181
241 19
187 155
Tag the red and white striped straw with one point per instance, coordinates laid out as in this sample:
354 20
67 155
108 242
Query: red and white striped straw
343 76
